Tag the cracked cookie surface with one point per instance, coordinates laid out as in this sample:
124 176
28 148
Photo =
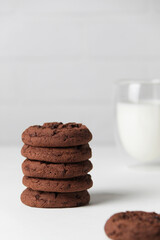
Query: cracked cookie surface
76 184
135 225
54 200
57 134
41 169
57 155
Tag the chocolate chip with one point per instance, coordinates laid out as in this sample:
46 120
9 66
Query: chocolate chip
78 196
37 197
55 194
157 218
27 168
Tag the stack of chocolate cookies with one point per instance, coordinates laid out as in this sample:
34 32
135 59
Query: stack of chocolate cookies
57 165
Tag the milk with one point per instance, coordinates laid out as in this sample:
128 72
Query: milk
139 129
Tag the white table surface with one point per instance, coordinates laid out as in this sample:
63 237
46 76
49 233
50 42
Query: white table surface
117 187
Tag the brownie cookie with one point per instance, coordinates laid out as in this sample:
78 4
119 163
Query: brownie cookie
76 184
41 169
136 225
54 200
57 135
57 155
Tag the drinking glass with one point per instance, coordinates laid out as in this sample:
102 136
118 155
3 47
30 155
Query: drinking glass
137 109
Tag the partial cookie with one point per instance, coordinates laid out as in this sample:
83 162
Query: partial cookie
57 135
76 184
136 225
57 155
40 169
54 200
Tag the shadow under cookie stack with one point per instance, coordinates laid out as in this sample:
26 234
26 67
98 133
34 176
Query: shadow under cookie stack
57 165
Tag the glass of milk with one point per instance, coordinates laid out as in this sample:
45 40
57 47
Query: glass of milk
138 118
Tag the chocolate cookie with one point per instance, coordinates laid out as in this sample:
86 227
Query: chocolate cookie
41 169
136 225
57 135
76 184
57 155
54 200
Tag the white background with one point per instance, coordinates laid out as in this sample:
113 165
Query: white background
58 62
59 59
